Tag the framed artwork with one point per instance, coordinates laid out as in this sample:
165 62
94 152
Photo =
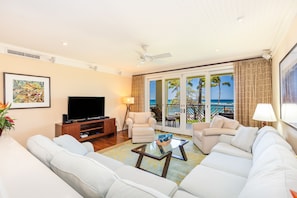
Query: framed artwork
26 91
288 88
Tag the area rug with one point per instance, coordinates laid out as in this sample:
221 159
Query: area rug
177 170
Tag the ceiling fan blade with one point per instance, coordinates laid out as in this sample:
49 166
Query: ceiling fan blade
164 55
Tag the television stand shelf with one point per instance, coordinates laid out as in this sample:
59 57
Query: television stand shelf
87 130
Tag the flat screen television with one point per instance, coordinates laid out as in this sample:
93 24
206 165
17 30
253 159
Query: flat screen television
85 108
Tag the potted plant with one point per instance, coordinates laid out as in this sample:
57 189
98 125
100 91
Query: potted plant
6 122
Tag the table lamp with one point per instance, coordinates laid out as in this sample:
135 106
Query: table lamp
264 112
127 101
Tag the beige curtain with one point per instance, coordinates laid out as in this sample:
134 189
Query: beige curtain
253 85
138 93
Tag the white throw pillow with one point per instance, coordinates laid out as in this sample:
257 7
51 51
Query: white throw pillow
85 175
244 138
71 144
217 122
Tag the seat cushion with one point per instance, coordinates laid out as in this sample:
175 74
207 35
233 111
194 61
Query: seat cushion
228 149
138 176
125 188
204 181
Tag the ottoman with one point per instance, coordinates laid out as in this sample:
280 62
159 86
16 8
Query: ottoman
143 134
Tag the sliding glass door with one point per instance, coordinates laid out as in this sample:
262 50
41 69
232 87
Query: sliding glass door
178 101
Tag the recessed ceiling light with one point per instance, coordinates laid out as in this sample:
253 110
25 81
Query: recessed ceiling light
217 50
240 19
64 43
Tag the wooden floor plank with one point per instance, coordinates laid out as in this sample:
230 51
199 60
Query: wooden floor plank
110 140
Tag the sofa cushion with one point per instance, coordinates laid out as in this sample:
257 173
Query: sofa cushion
217 122
244 138
85 175
106 161
43 148
267 138
225 162
125 188
141 118
204 181
230 124
71 144
228 149
138 176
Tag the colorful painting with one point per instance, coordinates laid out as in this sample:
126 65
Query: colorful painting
288 87
26 91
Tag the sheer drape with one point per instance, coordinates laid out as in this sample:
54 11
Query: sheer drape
138 93
253 85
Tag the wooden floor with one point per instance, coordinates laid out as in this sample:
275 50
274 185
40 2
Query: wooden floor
111 140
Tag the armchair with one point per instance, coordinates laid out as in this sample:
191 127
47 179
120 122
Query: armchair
141 126
206 135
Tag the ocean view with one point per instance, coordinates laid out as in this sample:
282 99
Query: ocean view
222 101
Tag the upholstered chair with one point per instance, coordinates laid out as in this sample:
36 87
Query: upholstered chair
141 126
206 135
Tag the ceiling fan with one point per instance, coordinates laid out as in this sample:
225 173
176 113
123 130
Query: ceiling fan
146 57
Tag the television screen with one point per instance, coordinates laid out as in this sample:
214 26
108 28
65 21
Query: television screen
84 108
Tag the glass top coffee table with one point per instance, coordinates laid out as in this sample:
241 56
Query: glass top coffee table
159 152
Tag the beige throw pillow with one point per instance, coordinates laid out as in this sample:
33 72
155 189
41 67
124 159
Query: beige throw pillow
230 124
244 138
217 122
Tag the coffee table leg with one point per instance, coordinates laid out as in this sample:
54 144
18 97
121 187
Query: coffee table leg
166 165
139 160
182 150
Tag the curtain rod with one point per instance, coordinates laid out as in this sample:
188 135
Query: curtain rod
192 67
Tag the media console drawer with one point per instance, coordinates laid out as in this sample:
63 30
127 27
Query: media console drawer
87 130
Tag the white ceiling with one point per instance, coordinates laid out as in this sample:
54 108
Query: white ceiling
109 33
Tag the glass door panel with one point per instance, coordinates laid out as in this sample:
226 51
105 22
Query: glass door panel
222 95
195 100
155 99
172 102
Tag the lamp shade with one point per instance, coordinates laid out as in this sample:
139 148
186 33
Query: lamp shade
128 100
264 112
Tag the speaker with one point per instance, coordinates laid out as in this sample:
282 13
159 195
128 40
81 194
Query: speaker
65 118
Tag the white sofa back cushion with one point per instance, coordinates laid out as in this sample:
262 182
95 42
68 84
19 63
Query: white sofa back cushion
244 138
273 174
71 144
125 188
85 175
43 148
266 138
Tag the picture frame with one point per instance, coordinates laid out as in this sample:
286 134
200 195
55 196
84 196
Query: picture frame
288 88
26 91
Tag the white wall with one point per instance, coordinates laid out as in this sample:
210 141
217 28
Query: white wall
289 41
65 81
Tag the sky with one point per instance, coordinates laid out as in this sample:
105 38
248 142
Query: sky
226 91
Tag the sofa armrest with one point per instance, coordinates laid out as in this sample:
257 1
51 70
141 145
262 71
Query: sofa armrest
200 125
89 146
218 131
226 138
152 122
129 121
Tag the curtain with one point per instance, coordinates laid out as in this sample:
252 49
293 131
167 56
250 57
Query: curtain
138 93
253 85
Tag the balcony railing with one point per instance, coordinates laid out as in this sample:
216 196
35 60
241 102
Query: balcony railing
196 113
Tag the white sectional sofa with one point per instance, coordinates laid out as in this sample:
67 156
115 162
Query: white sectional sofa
252 164
245 166
94 175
